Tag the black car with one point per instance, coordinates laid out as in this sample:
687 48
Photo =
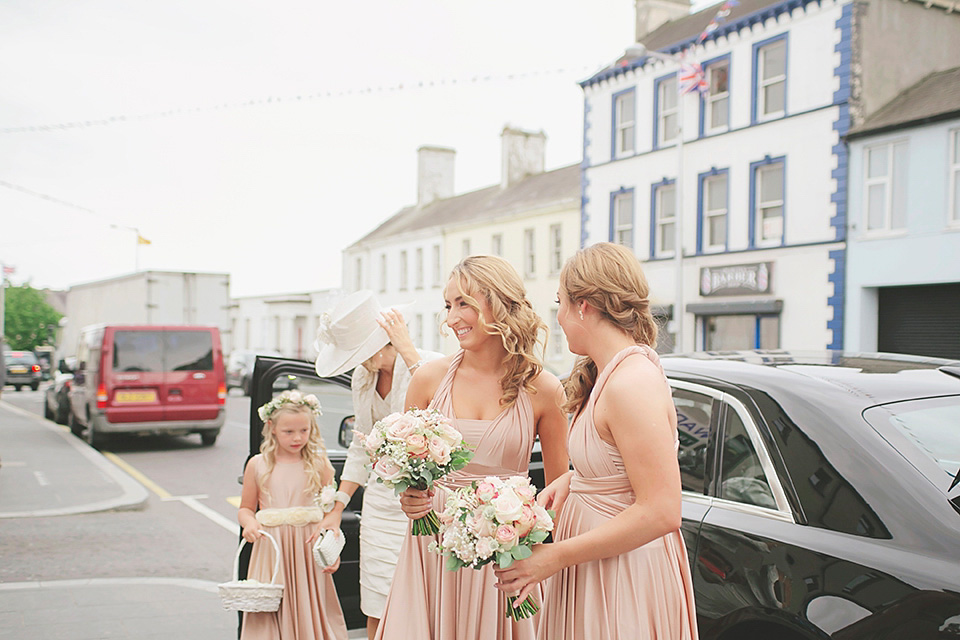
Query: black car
818 496
23 369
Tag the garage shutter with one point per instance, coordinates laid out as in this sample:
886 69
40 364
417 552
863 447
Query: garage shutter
921 320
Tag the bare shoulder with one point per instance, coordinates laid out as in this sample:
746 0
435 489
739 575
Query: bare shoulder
635 377
433 369
426 379
548 389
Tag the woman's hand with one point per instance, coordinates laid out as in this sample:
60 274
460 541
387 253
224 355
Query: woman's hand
316 533
393 323
522 576
332 568
252 532
555 494
330 521
416 503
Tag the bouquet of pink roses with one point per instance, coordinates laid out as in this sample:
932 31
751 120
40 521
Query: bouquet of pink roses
414 449
493 520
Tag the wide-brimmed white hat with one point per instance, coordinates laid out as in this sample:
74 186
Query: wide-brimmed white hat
349 335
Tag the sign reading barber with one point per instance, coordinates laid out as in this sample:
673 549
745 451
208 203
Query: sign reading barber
736 279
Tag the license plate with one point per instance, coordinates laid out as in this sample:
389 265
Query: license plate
135 396
18 369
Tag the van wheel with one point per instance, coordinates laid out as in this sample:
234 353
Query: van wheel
209 437
34 385
18 386
73 425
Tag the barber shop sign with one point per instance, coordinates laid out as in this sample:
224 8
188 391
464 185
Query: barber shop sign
735 280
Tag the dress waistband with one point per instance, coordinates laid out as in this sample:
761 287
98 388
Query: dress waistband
296 516
606 485
465 477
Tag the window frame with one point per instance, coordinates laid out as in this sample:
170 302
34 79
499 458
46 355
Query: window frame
555 234
496 244
383 272
659 114
707 101
437 265
418 270
404 271
758 104
620 125
888 181
529 252
656 221
703 213
615 228
754 239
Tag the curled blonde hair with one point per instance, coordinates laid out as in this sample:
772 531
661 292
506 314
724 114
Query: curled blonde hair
609 278
513 318
314 454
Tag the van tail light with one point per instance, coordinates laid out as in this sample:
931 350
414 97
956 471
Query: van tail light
36 368
101 397
222 394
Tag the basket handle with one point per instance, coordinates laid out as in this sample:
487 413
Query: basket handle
276 564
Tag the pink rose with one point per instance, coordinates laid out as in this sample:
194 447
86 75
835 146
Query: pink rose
388 470
483 526
507 536
486 491
486 547
439 450
450 434
402 428
526 521
390 419
508 506
525 492
416 444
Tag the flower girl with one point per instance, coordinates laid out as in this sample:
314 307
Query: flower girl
282 486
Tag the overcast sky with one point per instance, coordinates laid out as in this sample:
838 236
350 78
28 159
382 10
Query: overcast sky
269 192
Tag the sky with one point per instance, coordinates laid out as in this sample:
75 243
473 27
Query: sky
258 138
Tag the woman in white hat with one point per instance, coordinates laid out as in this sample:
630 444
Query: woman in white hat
356 334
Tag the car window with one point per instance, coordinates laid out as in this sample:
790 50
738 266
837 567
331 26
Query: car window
694 412
189 350
138 351
19 357
336 403
742 478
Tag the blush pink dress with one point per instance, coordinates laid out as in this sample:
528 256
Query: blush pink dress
309 609
426 601
646 593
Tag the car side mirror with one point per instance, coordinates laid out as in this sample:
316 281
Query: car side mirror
345 437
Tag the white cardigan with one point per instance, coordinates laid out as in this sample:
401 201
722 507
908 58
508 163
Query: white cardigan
363 386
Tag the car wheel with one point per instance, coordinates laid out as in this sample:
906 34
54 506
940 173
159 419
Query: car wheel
245 385
34 385
73 425
47 411
93 438
61 416
208 437
18 386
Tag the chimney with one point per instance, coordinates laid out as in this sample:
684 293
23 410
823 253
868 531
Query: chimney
522 154
434 174
652 14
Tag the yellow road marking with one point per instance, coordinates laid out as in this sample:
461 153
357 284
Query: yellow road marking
142 479
234 500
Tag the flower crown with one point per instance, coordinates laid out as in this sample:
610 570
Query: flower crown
293 398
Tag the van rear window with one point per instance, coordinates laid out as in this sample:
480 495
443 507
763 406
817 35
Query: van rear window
157 351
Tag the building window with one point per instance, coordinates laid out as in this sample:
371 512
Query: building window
624 109
419 270
712 233
383 272
358 274
770 78
767 189
465 248
436 265
667 111
664 218
556 249
885 186
403 271
529 253
736 332
418 329
496 244
555 345
621 217
716 102
955 177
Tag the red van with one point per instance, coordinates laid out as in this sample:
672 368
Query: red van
148 380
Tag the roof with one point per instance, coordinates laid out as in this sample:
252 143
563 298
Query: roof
936 97
677 34
551 188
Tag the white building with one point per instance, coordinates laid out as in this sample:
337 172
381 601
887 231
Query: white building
753 174
531 218
281 322
903 273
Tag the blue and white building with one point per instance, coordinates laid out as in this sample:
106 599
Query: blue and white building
752 175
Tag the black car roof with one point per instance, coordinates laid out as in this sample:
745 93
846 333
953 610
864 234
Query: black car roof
864 379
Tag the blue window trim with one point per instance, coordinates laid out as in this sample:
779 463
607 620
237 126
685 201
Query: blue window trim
755 77
653 215
633 214
613 122
584 165
752 226
656 108
701 180
701 132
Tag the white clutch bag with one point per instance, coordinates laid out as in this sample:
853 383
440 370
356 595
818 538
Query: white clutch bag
327 548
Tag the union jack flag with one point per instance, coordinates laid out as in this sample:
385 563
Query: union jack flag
692 78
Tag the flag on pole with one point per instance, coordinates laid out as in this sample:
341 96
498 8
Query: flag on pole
142 240
9 271
692 78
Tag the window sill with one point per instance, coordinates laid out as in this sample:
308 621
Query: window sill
715 132
883 234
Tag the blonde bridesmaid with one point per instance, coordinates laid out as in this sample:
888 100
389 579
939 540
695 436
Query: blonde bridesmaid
618 567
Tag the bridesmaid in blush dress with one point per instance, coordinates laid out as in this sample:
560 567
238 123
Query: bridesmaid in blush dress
498 396
618 567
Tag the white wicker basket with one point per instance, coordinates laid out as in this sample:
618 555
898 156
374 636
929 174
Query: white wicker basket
251 595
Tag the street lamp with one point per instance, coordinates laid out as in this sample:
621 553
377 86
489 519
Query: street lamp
639 50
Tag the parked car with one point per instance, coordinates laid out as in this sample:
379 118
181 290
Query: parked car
147 379
819 495
57 399
23 369
240 370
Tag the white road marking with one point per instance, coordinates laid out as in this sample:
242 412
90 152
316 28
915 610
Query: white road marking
192 502
41 479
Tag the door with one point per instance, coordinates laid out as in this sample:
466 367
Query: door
132 379
191 377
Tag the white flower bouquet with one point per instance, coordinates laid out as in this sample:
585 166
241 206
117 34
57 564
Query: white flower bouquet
415 449
493 520
326 498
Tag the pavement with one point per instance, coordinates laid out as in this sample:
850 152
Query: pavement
46 471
